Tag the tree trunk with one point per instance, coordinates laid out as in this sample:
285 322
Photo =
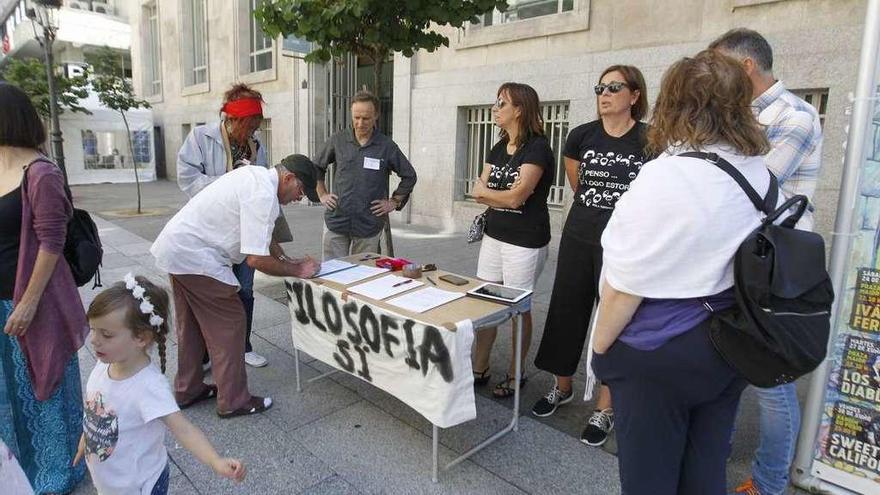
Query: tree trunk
134 164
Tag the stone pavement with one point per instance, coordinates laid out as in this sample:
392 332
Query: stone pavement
341 435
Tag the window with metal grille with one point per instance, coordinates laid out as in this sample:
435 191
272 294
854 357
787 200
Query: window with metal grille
816 97
260 45
481 135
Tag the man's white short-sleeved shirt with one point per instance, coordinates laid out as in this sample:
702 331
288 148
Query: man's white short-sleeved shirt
231 218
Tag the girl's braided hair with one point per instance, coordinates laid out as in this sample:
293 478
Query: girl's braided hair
118 296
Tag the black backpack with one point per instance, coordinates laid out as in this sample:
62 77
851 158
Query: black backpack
82 247
778 330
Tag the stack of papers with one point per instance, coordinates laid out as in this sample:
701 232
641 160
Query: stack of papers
423 300
385 287
354 274
332 266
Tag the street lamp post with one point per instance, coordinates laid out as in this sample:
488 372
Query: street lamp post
44 14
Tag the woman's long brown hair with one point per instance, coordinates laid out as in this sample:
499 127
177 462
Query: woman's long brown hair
117 296
706 100
530 121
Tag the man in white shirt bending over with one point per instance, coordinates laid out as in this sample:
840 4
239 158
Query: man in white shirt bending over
229 222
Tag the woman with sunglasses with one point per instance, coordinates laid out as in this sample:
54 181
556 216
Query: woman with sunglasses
514 184
602 157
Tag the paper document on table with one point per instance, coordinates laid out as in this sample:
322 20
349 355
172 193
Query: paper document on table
333 266
355 274
385 287
422 300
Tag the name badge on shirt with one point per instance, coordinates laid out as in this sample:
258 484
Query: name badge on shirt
372 163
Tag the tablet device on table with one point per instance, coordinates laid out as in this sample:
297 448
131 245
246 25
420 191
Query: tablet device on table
500 293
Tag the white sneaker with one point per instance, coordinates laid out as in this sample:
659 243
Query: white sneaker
255 360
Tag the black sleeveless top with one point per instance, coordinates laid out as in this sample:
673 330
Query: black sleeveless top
10 236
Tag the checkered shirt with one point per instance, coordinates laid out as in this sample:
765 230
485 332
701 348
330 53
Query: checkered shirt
795 135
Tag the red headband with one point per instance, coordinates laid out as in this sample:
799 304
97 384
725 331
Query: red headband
245 107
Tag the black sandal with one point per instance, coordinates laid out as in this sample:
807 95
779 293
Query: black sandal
504 388
481 377
208 393
255 406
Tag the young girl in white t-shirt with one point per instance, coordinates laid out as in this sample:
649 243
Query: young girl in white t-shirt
128 398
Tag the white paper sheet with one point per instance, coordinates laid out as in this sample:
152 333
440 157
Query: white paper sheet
333 266
423 300
355 274
385 286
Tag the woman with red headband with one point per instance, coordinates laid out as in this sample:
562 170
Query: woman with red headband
213 149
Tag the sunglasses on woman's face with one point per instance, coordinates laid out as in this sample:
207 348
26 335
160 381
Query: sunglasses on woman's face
613 87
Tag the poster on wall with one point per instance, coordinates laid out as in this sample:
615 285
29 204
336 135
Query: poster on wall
847 450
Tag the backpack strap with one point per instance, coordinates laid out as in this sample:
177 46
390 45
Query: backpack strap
766 204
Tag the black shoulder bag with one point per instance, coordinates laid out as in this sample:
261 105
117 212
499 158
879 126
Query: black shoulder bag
778 330
82 247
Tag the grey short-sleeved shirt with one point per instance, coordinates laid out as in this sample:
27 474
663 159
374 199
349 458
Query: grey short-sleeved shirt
361 177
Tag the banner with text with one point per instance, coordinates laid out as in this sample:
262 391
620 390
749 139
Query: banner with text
425 366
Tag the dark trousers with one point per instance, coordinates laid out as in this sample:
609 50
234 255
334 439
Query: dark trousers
674 409
575 289
245 275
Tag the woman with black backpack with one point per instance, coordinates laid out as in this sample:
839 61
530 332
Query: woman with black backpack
40 309
668 264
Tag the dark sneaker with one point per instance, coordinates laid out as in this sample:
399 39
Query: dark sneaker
548 404
598 427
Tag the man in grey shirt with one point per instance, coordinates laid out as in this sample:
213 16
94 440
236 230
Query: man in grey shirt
364 158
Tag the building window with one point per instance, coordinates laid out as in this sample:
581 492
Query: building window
195 46
481 135
153 65
265 136
142 146
260 54
518 10
184 131
109 149
816 97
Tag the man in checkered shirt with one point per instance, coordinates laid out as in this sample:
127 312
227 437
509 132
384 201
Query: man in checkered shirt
795 135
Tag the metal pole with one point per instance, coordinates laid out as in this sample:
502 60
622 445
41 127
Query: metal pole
844 231
57 140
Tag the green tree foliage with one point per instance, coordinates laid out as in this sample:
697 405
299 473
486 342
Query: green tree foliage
116 92
369 28
29 74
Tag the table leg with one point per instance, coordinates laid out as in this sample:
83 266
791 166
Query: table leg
435 441
299 387
513 425
518 333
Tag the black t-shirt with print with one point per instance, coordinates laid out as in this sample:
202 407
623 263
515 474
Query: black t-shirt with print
529 225
607 166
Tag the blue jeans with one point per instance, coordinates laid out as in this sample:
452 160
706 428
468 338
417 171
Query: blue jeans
245 275
780 418
161 486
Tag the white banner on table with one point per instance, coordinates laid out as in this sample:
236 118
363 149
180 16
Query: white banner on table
427 367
